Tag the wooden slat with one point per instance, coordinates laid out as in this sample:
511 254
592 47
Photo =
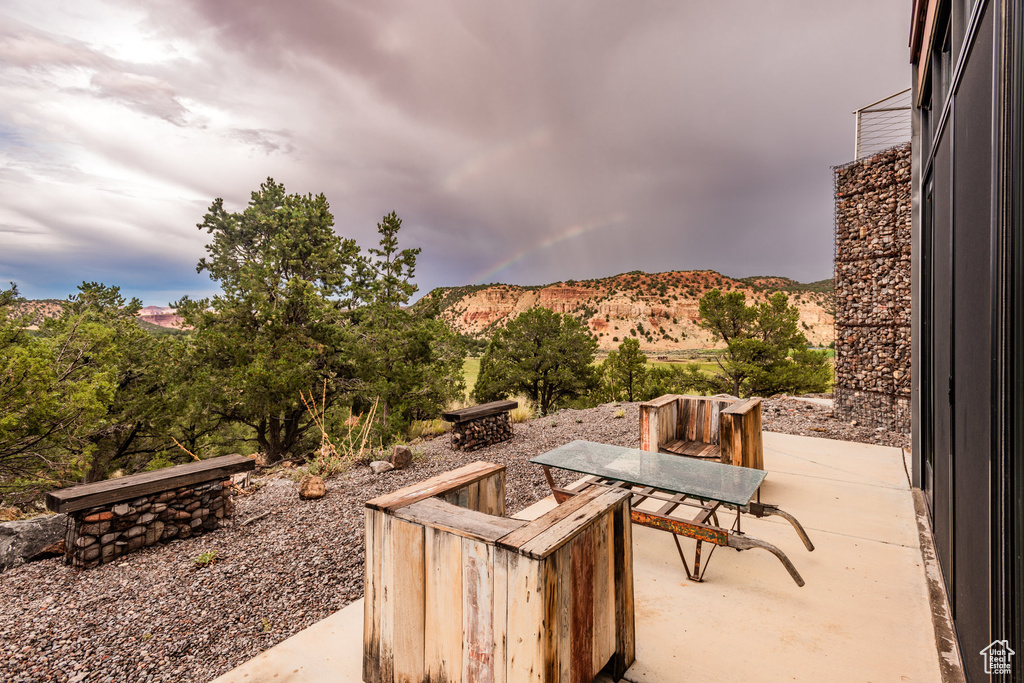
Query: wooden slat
525 620
562 559
709 451
728 437
699 426
136 485
553 620
683 422
675 446
582 657
625 627
649 427
667 421
477 612
407 607
443 606
716 413
473 496
492 495
434 486
693 447
524 534
502 600
480 411
564 530
371 594
604 593
660 401
388 567
458 520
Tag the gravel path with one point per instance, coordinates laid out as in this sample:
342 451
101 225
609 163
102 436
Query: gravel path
156 616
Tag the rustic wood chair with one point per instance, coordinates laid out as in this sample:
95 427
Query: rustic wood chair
455 591
713 427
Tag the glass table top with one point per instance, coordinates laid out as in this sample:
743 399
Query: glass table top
702 479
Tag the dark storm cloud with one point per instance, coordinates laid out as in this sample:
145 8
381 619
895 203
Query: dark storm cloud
527 141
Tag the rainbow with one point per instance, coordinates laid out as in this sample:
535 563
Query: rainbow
567 234
482 163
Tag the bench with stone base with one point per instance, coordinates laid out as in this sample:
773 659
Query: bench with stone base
480 426
107 519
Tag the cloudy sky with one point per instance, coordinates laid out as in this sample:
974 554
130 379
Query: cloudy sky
527 141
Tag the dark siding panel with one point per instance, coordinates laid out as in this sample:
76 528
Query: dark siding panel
941 352
972 351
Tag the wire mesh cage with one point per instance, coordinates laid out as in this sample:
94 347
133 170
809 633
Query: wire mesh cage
883 124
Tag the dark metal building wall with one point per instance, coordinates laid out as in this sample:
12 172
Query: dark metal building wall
969 411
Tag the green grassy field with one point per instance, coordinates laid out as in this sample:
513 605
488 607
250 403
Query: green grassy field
471 368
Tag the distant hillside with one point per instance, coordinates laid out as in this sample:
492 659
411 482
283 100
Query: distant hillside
152 318
659 309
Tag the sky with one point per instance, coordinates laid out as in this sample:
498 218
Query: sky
524 142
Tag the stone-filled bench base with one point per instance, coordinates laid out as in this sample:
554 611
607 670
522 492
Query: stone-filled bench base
104 533
481 425
107 519
469 436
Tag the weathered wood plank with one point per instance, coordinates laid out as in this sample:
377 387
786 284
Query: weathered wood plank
462 497
477 612
582 657
683 421
565 529
452 518
516 539
716 415
108 491
388 567
502 600
480 411
473 496
434 486
525 620
625 626
492 495
371 596
552 621
408 601
563 654
442 650
667 421
604 592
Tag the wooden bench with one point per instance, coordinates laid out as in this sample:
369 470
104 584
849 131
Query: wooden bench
455 591
116 516
715 427
480 426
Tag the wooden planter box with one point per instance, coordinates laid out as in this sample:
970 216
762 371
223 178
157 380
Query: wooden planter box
456 592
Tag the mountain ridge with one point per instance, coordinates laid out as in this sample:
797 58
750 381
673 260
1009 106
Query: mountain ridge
658 309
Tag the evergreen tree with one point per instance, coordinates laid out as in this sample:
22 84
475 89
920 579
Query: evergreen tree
275 329
765 351
547 356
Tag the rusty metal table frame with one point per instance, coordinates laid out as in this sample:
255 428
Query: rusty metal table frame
684 514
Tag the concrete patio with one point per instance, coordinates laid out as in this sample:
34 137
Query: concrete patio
864 615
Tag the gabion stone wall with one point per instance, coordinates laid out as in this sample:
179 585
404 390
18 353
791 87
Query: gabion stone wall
872 281
102 534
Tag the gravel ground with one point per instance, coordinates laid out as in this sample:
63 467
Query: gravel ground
156 616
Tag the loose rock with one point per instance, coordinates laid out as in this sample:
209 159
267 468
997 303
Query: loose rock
312 487
381 466
401 457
